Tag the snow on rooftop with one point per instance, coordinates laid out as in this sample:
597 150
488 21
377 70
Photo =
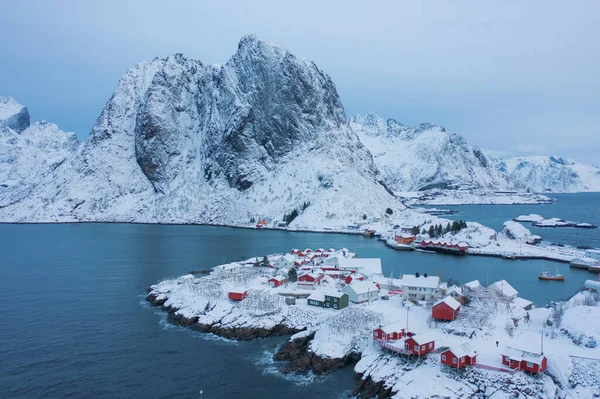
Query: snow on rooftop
521 303
453 303
425 337
361 287
394 327
317 296
473 284
463 349
365 266
410 280
505 288
454 288
334 294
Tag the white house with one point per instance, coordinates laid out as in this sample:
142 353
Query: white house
361 291
415 286
365 266
505 289
284 262
593 253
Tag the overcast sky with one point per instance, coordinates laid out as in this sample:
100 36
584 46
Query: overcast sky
516 77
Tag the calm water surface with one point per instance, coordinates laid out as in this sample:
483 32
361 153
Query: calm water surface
74 323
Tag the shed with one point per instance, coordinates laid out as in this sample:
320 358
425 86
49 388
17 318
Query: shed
522 303
459 357
445 309
238 295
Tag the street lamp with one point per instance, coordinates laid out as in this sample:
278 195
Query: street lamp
201 394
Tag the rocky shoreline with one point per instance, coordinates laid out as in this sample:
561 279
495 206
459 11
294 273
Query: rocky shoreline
294 354
239 334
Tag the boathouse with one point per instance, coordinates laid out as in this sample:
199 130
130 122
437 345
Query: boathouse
445 309
517 359
238 295
405 239
310 280
391 332
457 358
261 223
277 281
420 344
361 291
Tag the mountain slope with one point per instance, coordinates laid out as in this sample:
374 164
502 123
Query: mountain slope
180 141
426 157
28 153
551 174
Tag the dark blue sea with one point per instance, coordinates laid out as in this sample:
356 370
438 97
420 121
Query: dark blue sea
73 321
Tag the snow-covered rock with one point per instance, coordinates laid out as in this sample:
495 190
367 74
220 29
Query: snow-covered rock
13 115
516 231
426 157
529 218
181 141
550 174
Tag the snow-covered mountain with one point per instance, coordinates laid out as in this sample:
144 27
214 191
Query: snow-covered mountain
28 152
551 174
181 141
426 157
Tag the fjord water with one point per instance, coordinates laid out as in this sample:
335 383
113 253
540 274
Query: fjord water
74 322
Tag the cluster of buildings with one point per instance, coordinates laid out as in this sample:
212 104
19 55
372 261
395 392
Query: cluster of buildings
395 338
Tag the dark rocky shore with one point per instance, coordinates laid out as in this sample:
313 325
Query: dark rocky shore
294 354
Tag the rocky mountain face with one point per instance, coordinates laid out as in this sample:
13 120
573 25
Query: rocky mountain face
426 157
181 141
551 174
13 115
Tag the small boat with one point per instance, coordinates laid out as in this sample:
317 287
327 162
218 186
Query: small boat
369 233
554 277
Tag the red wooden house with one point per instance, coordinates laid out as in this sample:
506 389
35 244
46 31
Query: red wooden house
405 239
445 309
420 344
309 280
353 277
391 332
459 357
277 281
528 361
238 295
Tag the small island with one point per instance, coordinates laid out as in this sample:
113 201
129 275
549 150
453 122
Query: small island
405 337
539 221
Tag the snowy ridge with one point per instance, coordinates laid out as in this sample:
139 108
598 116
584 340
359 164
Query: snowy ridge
182 142
551 174
426 157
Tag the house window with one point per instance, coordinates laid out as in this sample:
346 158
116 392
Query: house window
443 358
454 361
416 348
462 359
431 345
530 365
335 305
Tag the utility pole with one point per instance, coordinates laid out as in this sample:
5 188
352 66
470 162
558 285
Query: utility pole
407 309
201 394
542 341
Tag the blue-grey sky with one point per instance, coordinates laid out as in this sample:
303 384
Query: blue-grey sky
516 77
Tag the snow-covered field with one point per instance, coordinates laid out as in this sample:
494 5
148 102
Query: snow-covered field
489 324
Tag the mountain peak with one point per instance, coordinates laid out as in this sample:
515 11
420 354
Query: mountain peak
13 115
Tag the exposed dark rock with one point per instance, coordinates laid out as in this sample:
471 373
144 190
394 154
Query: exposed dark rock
366 388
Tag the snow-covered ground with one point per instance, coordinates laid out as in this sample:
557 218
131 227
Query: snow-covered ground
491 323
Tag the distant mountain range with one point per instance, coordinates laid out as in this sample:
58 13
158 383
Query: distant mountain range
259 136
